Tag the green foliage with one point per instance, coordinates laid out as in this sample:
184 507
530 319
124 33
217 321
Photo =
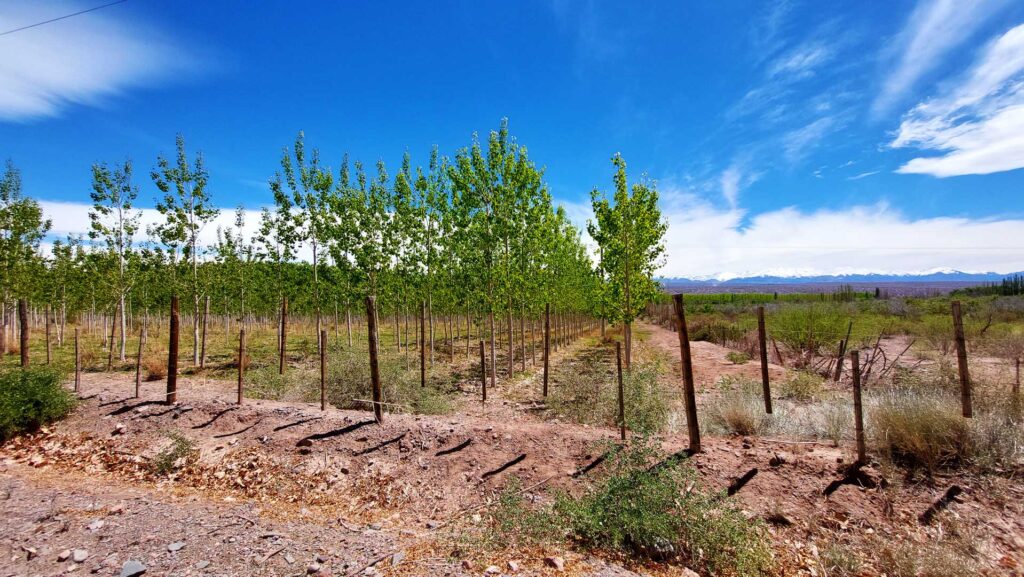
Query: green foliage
801 386
806 329
180 451
739 408
22 227
661 512
920 428
737 357
31 398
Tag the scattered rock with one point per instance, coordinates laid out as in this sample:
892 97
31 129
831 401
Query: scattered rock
30 552
176 546
687 572
203 564
96 525
118 429
397 558
433 524
492 570
288 558
776 460
557 562
313 568
79 555
467 564
132 568
513 566
64 555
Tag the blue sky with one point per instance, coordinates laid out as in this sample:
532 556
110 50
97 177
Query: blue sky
790 137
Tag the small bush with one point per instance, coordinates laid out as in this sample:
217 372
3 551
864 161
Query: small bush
805 329
920 429
180 452
739 412
737 357
801 386
31 398
659 512
155 368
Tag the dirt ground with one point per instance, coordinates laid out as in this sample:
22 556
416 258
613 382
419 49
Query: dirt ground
285 489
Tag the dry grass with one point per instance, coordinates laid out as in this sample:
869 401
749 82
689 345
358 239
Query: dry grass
155 368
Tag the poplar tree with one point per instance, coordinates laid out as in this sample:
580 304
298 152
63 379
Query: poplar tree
187 208
22 227
114 222
630 233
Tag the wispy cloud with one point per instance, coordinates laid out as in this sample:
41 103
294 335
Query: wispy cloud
978 124
796 143
81 60
934 29
863 175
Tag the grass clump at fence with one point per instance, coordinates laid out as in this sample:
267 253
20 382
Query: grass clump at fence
31 398
738 409
655 512
179 452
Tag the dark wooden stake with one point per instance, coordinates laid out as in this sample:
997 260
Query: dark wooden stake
622 401
843 345
858 407
547 345
483 374
762 346
423 343
284 334
172 354
138 362
241 363
23 322
323 369
371 329
78 363
961 360
690 396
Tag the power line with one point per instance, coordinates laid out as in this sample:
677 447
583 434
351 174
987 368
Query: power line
61 17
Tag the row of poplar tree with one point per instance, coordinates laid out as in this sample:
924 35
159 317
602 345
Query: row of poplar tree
475 234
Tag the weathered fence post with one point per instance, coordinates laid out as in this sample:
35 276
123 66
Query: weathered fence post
622 401
23 322
172 354
843 345
423 343
547 345
371 329
284 334
858 408
78 363
762 347
690 396
241 362
961 360
323 369
483 374
138 362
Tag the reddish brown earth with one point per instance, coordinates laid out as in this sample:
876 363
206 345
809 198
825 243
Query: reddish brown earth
262 501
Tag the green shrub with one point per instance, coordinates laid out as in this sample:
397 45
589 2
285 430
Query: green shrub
805 329
661 512
348 384
801 386
586 392
178 453
737 357
920 429
31 398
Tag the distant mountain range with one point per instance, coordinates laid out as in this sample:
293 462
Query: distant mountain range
950 276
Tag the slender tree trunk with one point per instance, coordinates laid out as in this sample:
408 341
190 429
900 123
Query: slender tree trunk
206 322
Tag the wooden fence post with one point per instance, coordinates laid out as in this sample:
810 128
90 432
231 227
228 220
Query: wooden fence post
693 428
961 360
843 345
547 345
762 347
483 374
138 362
241 362
284 335
78 363
371 329
172 354
858 408
423 343
622 401
323 369
23 322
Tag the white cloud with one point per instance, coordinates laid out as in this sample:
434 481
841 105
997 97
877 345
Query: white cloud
796 143
978 124
864 175
81 60
801 61
705 242
934 29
